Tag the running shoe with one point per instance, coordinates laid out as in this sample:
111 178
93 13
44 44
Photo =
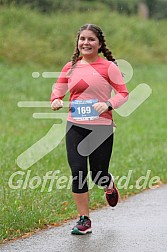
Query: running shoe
82 227
112 196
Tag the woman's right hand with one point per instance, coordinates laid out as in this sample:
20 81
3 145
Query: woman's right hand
57 104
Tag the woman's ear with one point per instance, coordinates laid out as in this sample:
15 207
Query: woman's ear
100 44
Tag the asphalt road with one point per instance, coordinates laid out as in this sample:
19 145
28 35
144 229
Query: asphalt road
136 224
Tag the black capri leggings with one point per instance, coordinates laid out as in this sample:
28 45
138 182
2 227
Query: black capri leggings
93 143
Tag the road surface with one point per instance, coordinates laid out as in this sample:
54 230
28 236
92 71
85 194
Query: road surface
136 224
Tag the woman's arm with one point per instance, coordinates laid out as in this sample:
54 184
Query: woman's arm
60 89
118 85
61 85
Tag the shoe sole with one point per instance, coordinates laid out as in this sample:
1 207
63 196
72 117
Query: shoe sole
76 231
118 196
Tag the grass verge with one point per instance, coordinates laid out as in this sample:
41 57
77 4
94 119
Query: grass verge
140 146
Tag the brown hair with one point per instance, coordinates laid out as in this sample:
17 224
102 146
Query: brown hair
99 34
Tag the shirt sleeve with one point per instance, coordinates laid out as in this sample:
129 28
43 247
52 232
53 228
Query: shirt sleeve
117 82
61 85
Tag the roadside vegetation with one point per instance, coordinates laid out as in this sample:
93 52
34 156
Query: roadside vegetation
33 42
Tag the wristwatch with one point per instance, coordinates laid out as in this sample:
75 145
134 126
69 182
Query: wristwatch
109 105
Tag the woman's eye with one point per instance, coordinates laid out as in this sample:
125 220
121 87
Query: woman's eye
89 39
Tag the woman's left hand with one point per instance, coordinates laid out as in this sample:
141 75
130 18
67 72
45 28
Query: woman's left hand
100 107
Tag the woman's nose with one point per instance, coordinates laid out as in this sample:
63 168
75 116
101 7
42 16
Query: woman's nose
86 41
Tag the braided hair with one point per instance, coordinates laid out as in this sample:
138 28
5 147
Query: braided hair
99 34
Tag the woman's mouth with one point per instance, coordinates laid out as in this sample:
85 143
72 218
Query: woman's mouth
86 48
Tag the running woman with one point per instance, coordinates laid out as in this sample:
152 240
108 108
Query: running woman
90 79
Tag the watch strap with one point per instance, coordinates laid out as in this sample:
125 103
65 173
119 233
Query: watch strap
109 105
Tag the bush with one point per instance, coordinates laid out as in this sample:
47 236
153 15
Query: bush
157 8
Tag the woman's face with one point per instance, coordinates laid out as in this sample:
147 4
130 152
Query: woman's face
88 44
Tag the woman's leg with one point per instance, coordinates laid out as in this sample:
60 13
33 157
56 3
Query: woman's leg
82 203
78 165
99 164
100 158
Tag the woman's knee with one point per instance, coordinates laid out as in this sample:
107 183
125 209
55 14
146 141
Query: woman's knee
79 182
100 178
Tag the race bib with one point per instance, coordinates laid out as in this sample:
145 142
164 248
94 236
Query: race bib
83 110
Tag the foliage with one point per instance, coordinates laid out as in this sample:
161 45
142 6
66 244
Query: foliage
30 37
157 8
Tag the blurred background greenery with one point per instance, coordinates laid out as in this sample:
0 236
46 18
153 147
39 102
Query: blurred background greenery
40 36
155 8
43 32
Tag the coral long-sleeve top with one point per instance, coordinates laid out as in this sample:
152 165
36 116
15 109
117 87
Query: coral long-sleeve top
95 80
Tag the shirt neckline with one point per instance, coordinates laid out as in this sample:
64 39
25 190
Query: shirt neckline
98 58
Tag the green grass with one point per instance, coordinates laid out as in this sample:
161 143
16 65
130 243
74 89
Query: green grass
49 41
140 145
31 43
